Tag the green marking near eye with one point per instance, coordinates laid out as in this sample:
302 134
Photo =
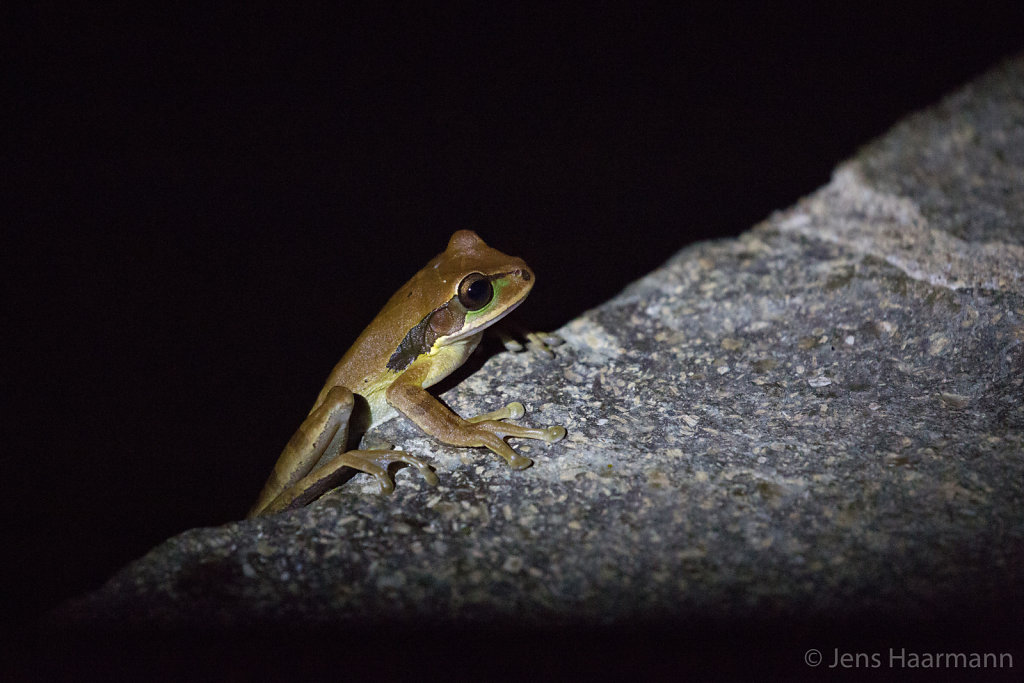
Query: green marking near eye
497 286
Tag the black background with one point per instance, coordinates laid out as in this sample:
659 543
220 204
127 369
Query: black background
208 206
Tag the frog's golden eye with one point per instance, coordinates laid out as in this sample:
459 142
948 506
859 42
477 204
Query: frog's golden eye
475 292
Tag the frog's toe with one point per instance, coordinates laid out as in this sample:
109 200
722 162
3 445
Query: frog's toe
387 487
515 410
425 471
520 462
553 434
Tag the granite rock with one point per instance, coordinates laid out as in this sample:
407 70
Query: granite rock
822 416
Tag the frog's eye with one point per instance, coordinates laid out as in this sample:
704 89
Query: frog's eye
475 292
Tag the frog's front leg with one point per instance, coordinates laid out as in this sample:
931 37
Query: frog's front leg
306 469
485 430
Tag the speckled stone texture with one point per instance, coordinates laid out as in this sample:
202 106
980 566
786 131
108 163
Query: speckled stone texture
821 417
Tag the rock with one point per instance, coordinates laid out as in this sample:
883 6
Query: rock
820 418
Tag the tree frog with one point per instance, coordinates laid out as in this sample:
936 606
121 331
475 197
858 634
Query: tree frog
427 329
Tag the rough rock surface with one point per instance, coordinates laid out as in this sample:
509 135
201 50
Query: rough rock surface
823 416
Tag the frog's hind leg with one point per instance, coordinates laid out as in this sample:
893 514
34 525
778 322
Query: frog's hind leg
324 431
341 469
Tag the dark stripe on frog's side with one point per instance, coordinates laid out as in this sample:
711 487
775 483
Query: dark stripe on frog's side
443 320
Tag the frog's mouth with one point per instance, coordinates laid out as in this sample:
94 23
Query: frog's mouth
479 326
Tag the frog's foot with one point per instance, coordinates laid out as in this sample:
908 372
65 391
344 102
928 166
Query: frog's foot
376 463
333 474
539 343
491 432
542 342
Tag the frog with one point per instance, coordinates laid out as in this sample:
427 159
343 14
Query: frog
426 330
